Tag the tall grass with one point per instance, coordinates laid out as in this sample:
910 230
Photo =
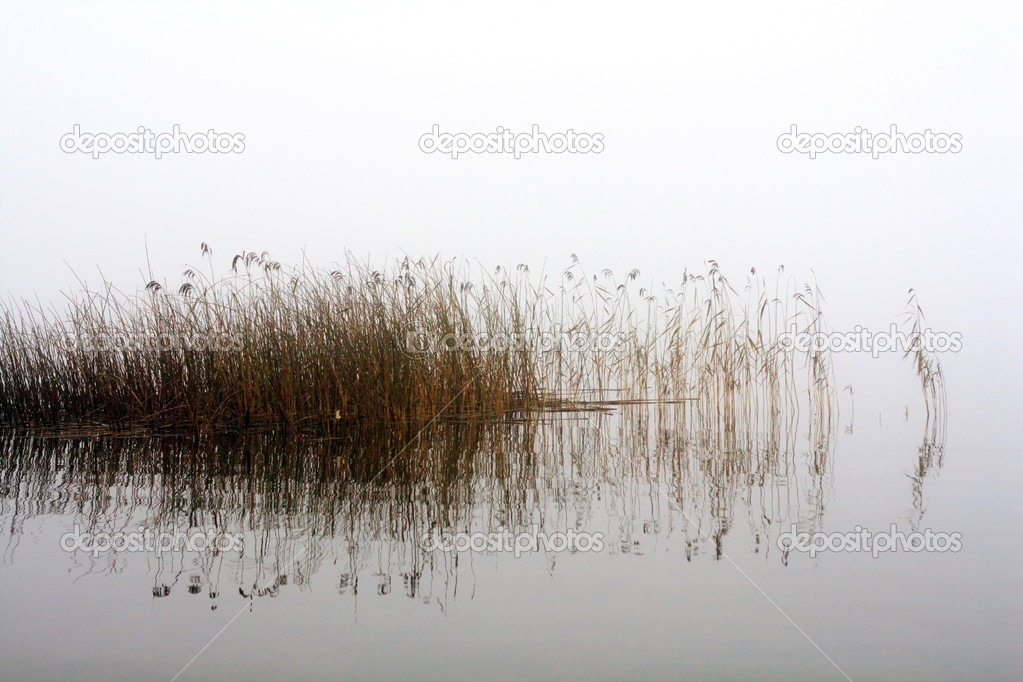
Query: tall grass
307 349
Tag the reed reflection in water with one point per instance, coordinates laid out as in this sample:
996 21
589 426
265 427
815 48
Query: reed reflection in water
641 478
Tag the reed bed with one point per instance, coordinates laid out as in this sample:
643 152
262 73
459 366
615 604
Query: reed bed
306 349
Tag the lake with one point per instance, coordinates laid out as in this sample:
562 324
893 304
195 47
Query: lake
610 544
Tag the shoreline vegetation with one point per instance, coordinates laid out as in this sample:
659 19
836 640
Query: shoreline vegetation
302 349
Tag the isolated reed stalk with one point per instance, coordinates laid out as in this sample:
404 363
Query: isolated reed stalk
928 370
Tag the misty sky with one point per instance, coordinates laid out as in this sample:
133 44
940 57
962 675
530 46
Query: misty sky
332 100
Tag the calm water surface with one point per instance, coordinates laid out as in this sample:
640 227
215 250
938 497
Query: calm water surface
332 579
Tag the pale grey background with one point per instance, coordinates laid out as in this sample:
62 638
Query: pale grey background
332 99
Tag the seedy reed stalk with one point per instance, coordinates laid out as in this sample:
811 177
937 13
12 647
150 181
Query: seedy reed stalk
928 370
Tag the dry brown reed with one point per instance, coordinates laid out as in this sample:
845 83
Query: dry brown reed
304 349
